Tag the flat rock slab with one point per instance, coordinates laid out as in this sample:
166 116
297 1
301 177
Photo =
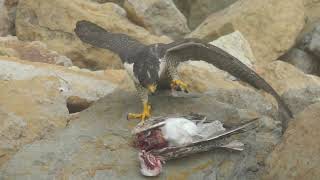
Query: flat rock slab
97 144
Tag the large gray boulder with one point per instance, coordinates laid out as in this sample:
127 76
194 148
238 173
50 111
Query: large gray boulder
35 51
311 41
197 11
297 156
97 142
56 29
270 26
161 17
302 60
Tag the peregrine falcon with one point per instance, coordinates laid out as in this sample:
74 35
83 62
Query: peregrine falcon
155 66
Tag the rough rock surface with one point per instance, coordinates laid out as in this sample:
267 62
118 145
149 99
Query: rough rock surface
302 60
4 20
297 156
301 98
196 11
82 83
26 115
234 44
312 10
298 89
97 144
311 41
160 17
184 7
31 51
34 99
11 6
270 26
120 2
284 76
53 22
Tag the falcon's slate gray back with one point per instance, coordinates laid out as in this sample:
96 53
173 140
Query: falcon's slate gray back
173 53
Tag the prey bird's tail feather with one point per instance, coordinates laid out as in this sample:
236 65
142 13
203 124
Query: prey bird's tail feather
97 36
196 50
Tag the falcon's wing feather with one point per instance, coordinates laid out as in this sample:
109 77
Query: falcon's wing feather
196 50
95 35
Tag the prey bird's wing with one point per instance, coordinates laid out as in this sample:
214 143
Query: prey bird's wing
196 50
119 43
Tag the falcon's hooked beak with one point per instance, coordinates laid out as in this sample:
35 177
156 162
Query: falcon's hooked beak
152 88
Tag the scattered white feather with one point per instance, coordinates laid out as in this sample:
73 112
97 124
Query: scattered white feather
235 145
213 128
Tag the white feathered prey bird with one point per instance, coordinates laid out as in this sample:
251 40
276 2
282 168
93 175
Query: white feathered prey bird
162 139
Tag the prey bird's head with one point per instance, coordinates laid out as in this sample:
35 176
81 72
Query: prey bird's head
150 165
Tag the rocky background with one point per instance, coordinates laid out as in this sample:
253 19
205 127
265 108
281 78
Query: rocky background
63 103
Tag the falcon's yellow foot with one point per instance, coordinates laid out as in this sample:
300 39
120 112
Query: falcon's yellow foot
178 85
144 115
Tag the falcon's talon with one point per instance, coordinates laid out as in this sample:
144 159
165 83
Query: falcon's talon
143 116
179 85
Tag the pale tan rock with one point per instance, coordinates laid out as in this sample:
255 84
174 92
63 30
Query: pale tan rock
236 45
83 83
270 26
53 23
312 10
29 110
297 89
203 76
34 99
297 156
284 77
31 51
160 17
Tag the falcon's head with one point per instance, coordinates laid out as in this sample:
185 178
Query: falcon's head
147 73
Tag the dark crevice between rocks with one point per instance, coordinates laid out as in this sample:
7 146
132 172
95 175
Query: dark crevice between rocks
77 104
305 54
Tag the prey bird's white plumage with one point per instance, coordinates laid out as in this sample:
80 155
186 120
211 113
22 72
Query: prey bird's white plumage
179 131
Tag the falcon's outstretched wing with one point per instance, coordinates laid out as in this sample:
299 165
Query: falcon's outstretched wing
95 35
196 50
